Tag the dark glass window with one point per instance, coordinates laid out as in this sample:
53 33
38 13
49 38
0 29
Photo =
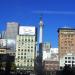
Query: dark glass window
69 57
65 57
24 53
69 61
18 49
65 61
21 53
27 60
72 57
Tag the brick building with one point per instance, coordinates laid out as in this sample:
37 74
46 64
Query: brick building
66 44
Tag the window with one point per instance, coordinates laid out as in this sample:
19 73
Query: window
31 46
65 41
65 61
65 57
72 62
28 50
72 57
65 35
68 35
72 44
22 50
24 60
61 47
31 64
69 57
25 39
69 61
27 60
24 57
24 53
32 40
21 57
28 39
65 47
68 41
21 53
18 57
71 35
27 64
25 50
18 49
31 60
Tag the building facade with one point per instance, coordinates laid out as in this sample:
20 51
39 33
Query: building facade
2 50
51 65
50 53
10 36
66 44
46 51
11 30
54 54
26 48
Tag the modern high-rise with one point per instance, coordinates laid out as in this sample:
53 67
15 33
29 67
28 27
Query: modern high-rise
26 48
66 44
10 35
11 30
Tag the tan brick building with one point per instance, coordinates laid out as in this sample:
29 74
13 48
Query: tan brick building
66 44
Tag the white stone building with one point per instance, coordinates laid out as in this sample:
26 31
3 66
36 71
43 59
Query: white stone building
26 48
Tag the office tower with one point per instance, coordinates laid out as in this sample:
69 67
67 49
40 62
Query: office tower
12 30
66 44
10 35
26 48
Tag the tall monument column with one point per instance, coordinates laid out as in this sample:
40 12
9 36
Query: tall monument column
41 30
40 67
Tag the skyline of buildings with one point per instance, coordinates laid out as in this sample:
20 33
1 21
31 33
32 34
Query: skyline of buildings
27 43
37 36
55 14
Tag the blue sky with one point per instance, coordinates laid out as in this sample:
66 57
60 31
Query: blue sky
56 13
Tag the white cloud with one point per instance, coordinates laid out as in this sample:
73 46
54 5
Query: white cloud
54 12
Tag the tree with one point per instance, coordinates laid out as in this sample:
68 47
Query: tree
13 66
67 70
0 65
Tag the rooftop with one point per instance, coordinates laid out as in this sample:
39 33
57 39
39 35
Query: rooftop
65 28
